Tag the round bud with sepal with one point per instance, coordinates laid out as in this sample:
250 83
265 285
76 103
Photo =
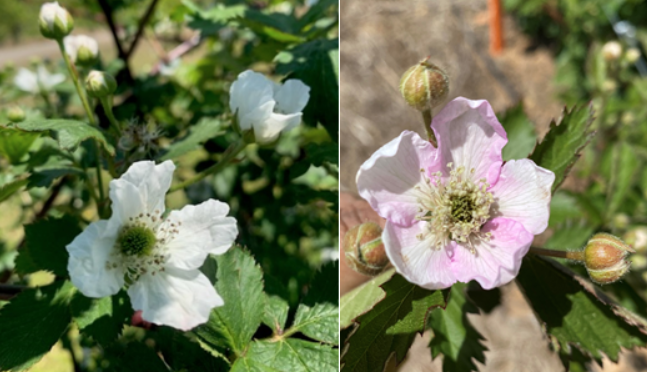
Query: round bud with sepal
364 250
424 85
54 21
605 258
100 84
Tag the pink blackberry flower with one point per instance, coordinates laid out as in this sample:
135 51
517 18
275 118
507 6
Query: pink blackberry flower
456 212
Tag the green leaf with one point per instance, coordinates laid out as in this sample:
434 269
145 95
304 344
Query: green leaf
316 154
240 284
32 322
563 208
625 166
570 237
198 134
45 177
280 27
316 64
14 143
362 299
70 133
10 188
320 322
561 146
370 346
324 286
133 357
181 353
416 319
102 319
45 244
275 313
520 131
576 312
316 12
288 355
454 336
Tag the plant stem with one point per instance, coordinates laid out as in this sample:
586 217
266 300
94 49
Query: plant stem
229 154
571 255
426 118
7 291
106 102
79 89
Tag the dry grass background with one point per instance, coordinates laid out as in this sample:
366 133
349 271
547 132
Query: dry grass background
380 39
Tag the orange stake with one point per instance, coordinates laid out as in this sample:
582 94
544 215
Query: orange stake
496 26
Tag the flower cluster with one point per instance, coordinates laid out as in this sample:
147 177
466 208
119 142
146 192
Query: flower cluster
456 212
156 256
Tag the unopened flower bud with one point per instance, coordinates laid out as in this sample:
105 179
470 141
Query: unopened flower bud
621 221
424 85
605 258
100 84
15 114
364 249
611 51
637 238
632 55
83 50
54 21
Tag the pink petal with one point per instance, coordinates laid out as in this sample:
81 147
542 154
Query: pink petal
496 262
523 194
387 179
416 260
470 135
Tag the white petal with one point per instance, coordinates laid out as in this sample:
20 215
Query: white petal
204 229
251 96
26 81
178 298
470 135
291 97
415 259
88 266
523 194
50 11
71 46
141 189
46 80
269 129
387 179
496 262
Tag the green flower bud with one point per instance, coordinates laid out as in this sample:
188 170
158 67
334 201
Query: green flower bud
605 258
100 84
364 249
83 50
54 21
424 85
15 114
632 55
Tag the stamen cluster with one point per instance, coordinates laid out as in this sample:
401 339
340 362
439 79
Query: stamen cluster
454 210
142 245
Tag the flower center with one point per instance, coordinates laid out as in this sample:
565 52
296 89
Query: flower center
136 241
454 210
462 207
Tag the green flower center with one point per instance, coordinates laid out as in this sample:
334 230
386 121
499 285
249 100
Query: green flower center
136 241
462 207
